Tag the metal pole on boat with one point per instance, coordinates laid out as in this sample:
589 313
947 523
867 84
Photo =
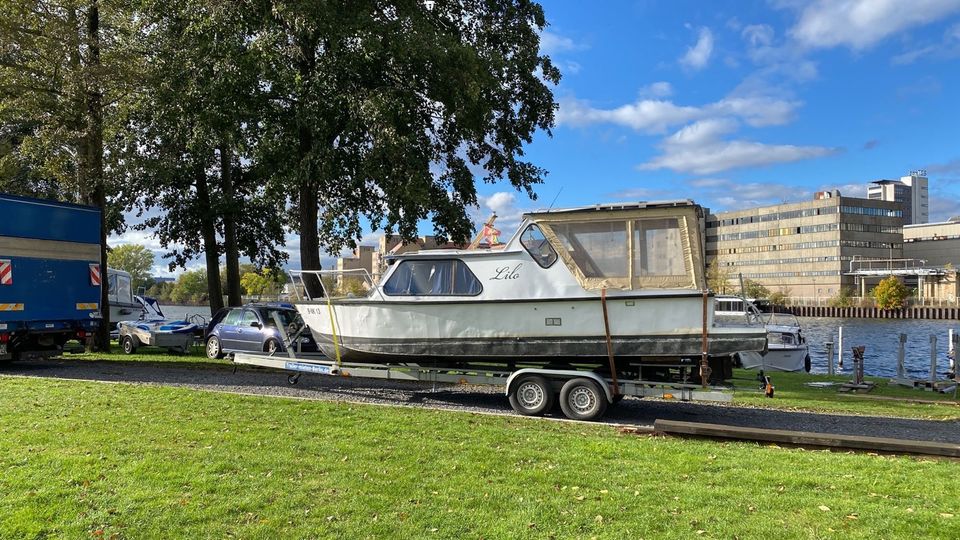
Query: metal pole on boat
901 355
933 360
952 348
840 349
829 358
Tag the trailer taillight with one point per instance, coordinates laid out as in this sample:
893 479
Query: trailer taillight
81 334
4 338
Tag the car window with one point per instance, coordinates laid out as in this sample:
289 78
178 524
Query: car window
232 318
286 316
249 317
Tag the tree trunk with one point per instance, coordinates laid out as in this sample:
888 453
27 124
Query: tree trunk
230 248
308 214
94 149
208 230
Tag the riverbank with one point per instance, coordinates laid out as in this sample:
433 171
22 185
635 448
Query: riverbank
918 312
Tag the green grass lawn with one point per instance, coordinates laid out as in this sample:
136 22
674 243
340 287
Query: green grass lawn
122 461
792 392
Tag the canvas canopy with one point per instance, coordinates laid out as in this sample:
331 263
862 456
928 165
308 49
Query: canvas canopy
629 248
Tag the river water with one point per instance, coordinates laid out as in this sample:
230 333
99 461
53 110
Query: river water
880 336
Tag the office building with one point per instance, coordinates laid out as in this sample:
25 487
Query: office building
804 248
910 191
937 244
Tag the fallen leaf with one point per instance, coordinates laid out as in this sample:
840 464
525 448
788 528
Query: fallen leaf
945 515
853 516
824 508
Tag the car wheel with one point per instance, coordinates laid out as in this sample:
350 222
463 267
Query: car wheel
213 348
271 346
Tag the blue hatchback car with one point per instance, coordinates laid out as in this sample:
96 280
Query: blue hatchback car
253 328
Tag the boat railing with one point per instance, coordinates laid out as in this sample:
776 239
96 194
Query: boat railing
320 284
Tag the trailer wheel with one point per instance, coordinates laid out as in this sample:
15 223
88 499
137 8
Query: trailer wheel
213 348
129 344
532 395
582 399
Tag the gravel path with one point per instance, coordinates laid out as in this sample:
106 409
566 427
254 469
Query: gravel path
486 399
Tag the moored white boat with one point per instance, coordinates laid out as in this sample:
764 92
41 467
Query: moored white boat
787 347
554 294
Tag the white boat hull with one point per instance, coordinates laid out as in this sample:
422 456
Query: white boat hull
520 330
777 358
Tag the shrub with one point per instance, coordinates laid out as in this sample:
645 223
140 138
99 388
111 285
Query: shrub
891 293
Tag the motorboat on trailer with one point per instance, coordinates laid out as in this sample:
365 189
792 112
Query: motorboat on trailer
580 287
787 348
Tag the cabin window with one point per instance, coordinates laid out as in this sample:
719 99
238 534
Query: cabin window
119 287
449 277
599 249
658 248
538 246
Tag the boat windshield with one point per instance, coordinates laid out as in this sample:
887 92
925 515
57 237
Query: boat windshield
538 246
119 288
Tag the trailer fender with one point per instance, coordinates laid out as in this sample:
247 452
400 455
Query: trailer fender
559 374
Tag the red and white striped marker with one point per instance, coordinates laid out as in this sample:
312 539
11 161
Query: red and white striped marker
95 275
6 272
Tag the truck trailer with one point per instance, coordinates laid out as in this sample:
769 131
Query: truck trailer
50 275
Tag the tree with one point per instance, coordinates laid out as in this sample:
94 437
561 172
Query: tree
844 298
753 289
891 293
390 107
188 139
718 277
267 282
779 298
134 259
61 68
190 288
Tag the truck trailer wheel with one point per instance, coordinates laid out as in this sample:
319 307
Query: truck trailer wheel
129 344
532 395
582 399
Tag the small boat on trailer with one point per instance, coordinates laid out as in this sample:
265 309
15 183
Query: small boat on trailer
570 289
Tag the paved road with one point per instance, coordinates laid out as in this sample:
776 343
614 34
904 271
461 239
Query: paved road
469 398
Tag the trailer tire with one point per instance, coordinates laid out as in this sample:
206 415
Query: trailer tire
583 399
214 350
532 395
129 344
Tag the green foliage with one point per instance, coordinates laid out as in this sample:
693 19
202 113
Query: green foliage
779 298
267 282
135 259
190 288
718 277
891 293
843 298
161 290
754 289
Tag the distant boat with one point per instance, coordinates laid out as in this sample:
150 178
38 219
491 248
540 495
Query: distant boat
562 287
786 346
124 305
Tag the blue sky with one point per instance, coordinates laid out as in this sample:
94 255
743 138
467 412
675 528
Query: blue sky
737 104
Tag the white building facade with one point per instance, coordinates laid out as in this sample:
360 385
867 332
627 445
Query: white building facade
910 191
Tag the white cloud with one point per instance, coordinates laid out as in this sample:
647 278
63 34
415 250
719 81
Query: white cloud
504 205
553 43
699 149
656 116
659 89
860 24
758 34
698 55
648 115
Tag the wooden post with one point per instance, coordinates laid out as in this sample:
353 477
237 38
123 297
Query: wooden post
829 358
933 360
901 368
